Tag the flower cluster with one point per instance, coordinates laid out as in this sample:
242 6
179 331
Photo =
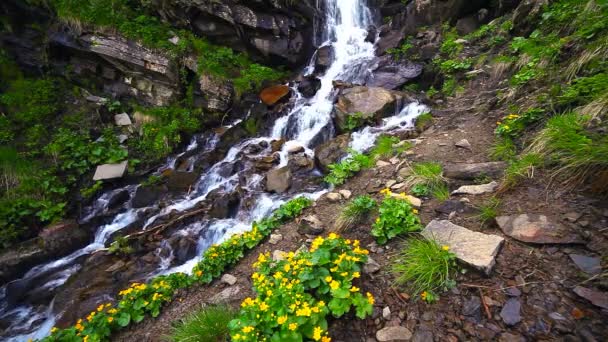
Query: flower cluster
396 217
295 295
140 299
512 124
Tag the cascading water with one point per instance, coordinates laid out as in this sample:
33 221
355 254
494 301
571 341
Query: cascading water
308 123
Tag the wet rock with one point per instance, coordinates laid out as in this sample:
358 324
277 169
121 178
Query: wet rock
300 162
471 306
278 180
371 266
122 119
453 206
227 295
148 195
116 266
393 334
464 143
228 279
476 189
590 265
471 171
293 147
118 199
535 228
110 171
272 95
345 193
309 86
325 56
389 74
475 249
223 204
371 104
310 225
277 145
275 238
217 92
597 298
334 197
180 181
329 152
510 312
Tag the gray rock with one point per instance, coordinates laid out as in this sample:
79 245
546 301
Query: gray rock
471 306
597 298
475 249
278 180
225 296
464 143
331 151
393 334
275 238
573 216
388 74
293 147
333 197
476 189
590 265
228 279
110 171
508 337
382 163
510 312
122 119
181 181
470 171
217 92
535 228
386 313
391 183
371 266
122 138
345 193
310 225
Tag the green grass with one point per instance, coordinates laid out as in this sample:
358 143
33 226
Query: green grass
424 266
387 146
423 120
440 192
210 324
354 212
521 168
340 172
574 153
428 177
488 210
503 149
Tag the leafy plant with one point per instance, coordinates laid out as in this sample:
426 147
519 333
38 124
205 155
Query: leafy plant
355 120
295 295
347 168
420 190
450 45
92 190
120 246
451 66
354 212
388 146
209 324
397 216
513 124
425 268
429 177
402 50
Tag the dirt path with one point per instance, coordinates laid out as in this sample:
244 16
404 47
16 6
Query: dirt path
538 277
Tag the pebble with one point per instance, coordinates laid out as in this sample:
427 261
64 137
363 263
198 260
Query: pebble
464 143
228 279
386 313
393 334
334 197
510 313
345 193
275 238
278 255
371 266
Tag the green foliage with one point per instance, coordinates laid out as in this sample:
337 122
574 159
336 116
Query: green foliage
440 192
587 18
513 124
356 120
139 300
482 32
402 50
420 190
585 89
521 168
423 120
388 146
503 149
537 52
449 46
351 165
92 190
209 324
354 211
428 177
397 216
450 86
451 66
425 268
432 92
30 101
120 246
294 296
488 210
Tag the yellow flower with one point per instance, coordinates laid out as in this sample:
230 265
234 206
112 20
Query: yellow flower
370 298
356 274
100 308
85 338
386 191
247 329
446 248
112 311
321 304
293 326
334 285
415 211
53 330
317 333
263 306
423 295
354 289
333 236
110 319
303 312
325 339
282 319
328 279
377 219
199 273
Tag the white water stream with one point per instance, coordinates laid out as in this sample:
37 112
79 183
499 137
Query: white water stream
345 29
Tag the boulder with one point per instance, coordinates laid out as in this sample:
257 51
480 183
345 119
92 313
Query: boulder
217 92
272 95
122 119
309 86
473 170
223 204
324 58
278 180
476 189
293 146
331 151
394 334
475 249
390 74
300 162
310 225
536 228
181 181
110 171
148 195
371 104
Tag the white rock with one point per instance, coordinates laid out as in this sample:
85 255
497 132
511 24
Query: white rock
345 193
394 160
386 313
476 189
476 249
227 295
393 334
122 138
464 143
334 196
122 119
382 163
293 146
110 171
398 186
275 238
228 279
174 40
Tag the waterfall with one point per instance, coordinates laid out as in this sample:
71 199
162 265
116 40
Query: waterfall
344 28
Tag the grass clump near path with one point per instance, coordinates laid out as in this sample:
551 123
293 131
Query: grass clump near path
425 268
354 212
209 324
488 210
521 168
574 153
427 178
351 165
388 146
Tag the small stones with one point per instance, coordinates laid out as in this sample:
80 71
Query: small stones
589 265
476 189
275 238
122 119
393 334
346 194
572 216
510 312
464 143
334 197
597 298
371 266
228 279
386 313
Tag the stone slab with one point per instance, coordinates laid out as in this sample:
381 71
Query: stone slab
536 228
475 249
476 189
110 171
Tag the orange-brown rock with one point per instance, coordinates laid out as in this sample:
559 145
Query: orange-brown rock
274 94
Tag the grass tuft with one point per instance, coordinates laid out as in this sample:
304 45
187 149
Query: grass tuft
521 168
388 146
354 212
503 149
488 211
428 176
210 324
423 120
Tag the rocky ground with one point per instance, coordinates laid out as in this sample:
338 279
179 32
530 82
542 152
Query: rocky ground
542 286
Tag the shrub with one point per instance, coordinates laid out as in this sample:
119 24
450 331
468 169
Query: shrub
451 66
449 46
354 211
388 146
209 324
347 168
396 216
425 268
295 295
